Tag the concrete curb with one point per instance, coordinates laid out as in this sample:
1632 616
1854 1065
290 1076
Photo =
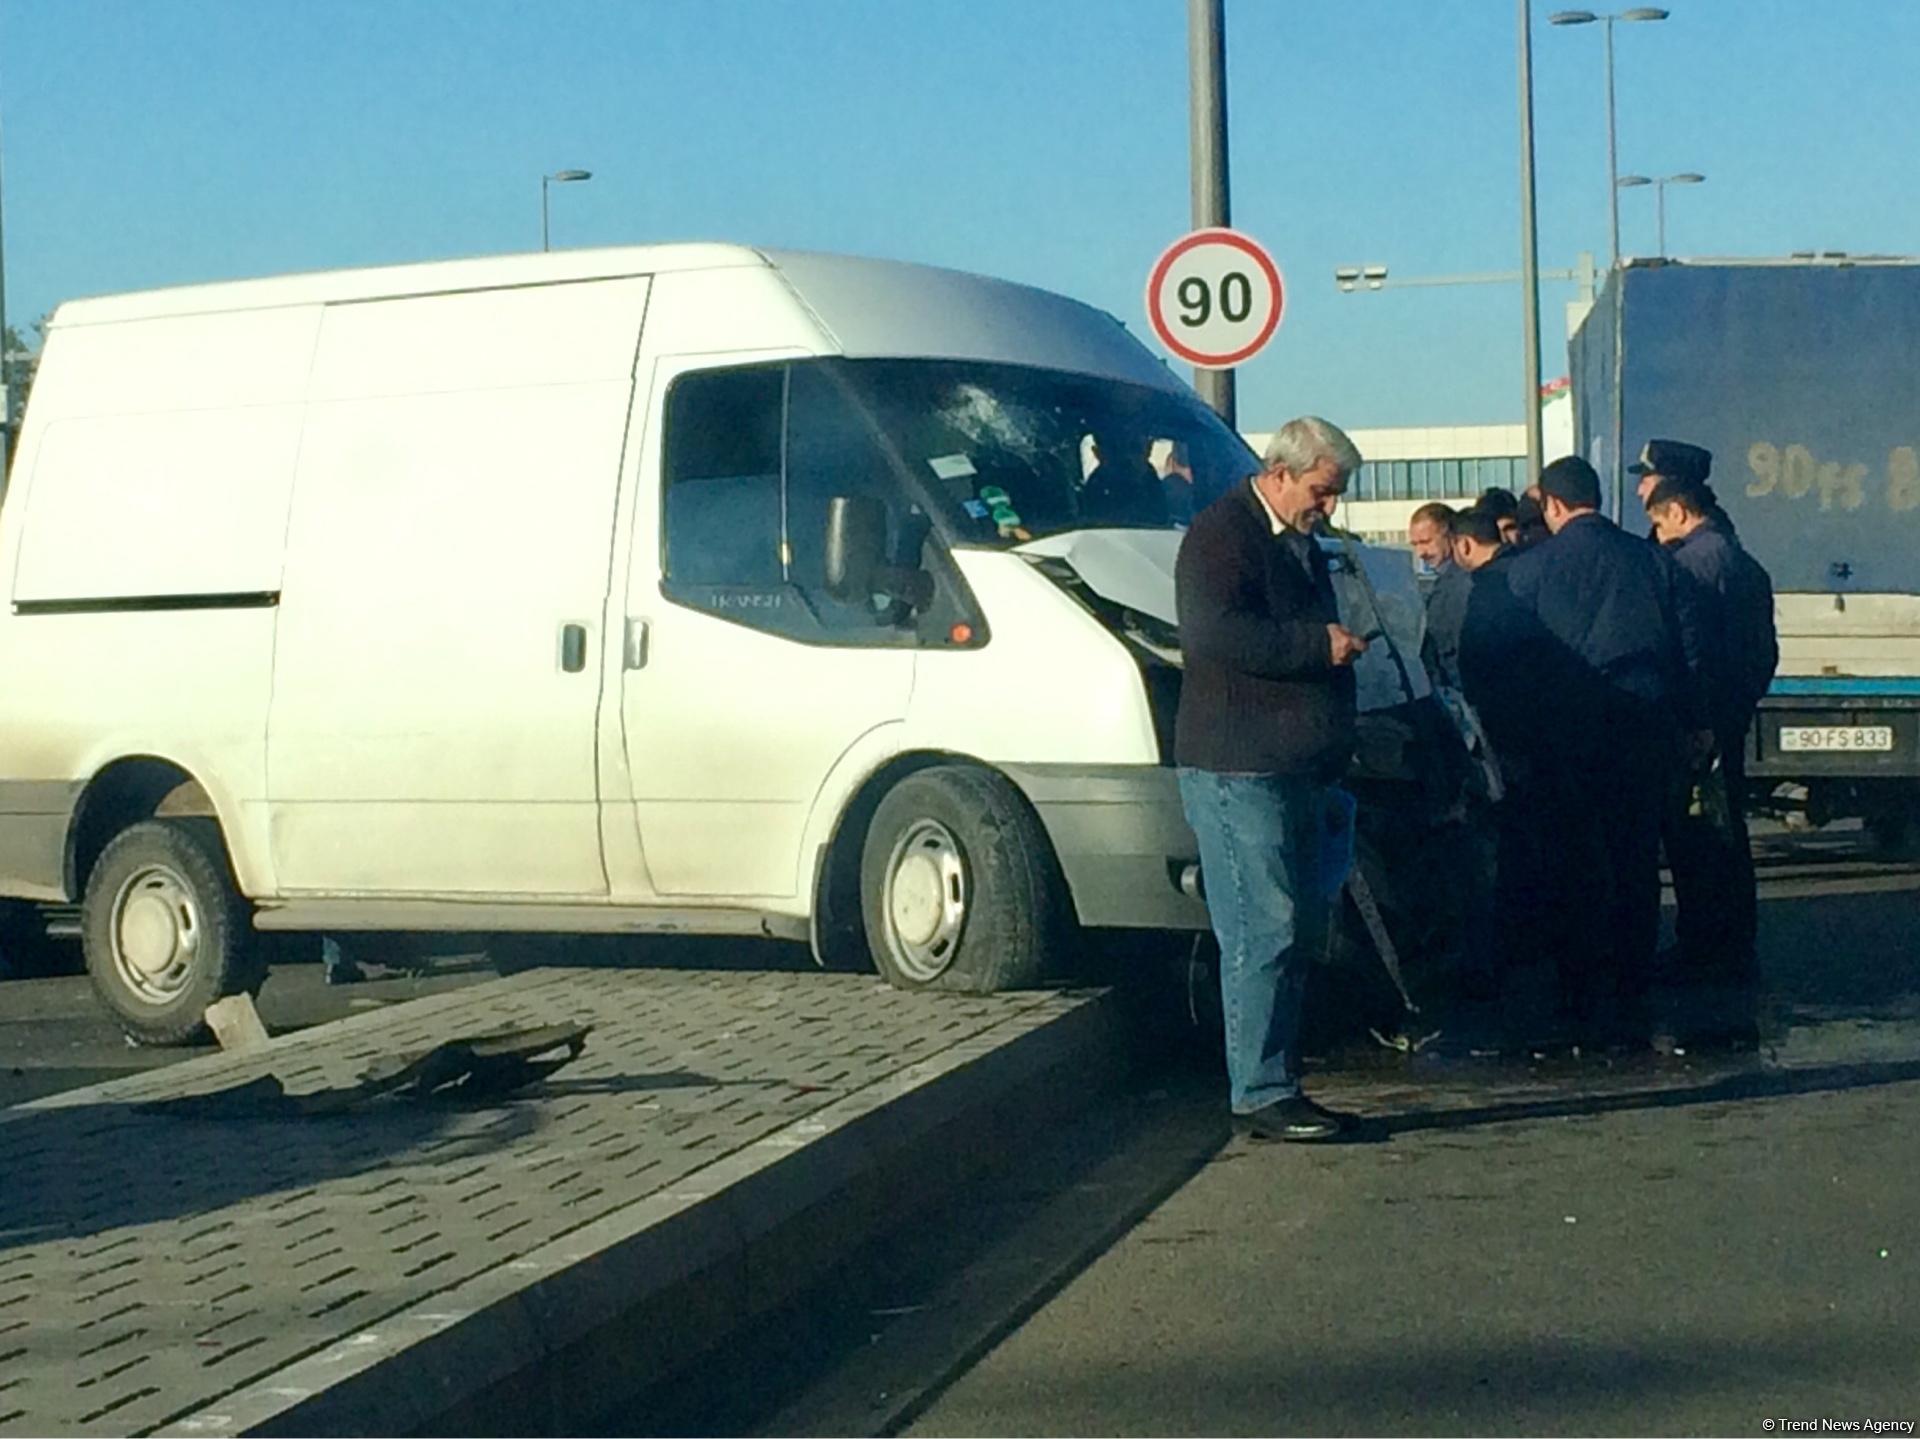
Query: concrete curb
556 1340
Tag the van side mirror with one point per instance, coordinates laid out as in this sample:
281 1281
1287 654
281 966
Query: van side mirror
856 547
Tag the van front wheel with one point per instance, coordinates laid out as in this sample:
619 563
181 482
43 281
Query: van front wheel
958 885
166 931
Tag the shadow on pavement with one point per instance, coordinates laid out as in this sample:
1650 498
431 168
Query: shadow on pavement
1748 1085
920 1304
73 1171
80 1170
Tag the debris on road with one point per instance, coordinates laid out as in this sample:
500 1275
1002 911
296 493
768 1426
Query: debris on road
236 1024
485 1066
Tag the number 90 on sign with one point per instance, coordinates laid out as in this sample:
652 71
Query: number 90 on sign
1215 298
1196 299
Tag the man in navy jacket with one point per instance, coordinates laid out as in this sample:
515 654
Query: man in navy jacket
1625 649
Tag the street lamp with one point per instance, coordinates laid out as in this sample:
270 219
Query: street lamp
1374 277
1587 17
1660 183
558 177
1529 249
1348 277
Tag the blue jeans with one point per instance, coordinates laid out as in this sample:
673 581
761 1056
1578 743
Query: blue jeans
1260 837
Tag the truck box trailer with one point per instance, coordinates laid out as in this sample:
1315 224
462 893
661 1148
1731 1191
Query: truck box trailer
1803 378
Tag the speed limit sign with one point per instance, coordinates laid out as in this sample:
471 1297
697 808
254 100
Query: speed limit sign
1215 298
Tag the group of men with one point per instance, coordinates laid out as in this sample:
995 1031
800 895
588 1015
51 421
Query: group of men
1613 678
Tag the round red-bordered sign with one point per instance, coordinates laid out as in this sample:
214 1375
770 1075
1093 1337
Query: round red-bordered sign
1204 277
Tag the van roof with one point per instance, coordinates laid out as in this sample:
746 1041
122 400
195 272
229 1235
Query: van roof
865 307
388 281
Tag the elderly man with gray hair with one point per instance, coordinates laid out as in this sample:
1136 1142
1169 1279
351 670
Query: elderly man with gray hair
1265 727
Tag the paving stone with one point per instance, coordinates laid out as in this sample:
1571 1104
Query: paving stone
152 1265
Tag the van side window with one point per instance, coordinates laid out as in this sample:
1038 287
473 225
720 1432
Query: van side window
753 460
723 478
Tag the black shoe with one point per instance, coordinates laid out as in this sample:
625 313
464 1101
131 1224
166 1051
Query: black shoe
1297 1121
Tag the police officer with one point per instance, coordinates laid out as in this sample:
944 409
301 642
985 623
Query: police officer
1627 665
1713 880
1691 465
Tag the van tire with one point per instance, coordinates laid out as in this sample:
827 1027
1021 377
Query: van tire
166 931
958 885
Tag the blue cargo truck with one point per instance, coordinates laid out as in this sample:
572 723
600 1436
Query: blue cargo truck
1803 378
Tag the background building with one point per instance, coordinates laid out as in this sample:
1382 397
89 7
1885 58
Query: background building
1406 467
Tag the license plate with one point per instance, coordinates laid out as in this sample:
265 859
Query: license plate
1837 737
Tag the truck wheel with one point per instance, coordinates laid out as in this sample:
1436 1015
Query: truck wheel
958 885
166 931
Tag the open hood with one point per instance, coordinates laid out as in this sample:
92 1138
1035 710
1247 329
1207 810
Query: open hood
1133 568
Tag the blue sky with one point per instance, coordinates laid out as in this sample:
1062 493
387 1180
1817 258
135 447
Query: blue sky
157 142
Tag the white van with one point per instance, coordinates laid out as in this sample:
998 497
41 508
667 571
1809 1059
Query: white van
692 588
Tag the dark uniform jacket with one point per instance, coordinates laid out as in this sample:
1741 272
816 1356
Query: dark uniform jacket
1260 693
1617 604
1733 597
1521 682
1446 613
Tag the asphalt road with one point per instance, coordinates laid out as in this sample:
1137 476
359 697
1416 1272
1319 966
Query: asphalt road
1688 1244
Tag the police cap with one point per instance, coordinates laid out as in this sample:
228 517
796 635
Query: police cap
1674 459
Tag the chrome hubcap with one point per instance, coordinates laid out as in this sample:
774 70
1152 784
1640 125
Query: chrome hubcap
925 900
156 934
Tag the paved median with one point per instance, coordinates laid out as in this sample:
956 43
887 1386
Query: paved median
517 1265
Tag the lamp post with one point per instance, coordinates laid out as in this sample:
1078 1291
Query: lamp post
1660 183
558 177
1529 251
1348 278
1639 13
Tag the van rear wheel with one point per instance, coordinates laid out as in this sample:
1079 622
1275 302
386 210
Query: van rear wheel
166 931
958 885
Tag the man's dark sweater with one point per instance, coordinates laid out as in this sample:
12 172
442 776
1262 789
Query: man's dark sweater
1446 613
1261 694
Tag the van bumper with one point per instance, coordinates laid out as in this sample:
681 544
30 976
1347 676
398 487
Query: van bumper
1122 839
34 818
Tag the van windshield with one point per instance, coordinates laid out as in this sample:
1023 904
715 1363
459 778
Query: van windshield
1012 454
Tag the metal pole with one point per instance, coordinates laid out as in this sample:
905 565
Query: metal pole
543 213
6 362
1207 132
1613 164
1529 249
1660 215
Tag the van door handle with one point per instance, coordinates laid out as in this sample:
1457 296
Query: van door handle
636 644
573 648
